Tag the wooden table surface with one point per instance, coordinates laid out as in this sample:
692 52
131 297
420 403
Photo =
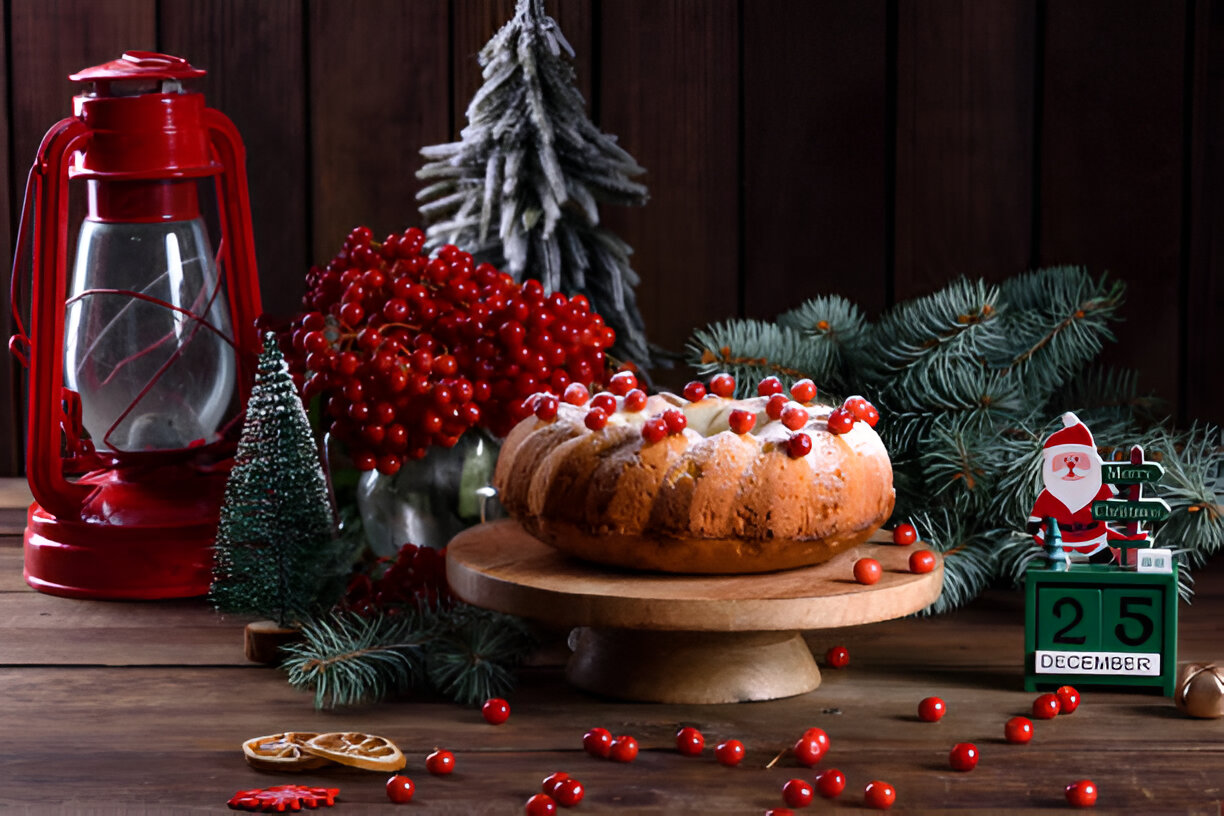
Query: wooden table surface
141 708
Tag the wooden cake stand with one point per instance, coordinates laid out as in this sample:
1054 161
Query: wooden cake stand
683 638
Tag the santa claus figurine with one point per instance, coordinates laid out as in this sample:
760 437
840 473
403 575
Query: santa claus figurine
1071 471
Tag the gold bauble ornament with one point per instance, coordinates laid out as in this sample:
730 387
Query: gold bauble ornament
1200 690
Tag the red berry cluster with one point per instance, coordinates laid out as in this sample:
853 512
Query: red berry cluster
599 742
842 419
411 351
416 576
558 789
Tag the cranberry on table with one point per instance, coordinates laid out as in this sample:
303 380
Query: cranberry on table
809 749
623 749
838 657
552 782
779 812
904 535
568 792
797 793
597 742
1018 730
879 795
963 756
819 735
729 752
541 805
921 562
1081 793
495 711
400 789
867 571
690 741
831 783
440 763
1046 706
931 709
1068 699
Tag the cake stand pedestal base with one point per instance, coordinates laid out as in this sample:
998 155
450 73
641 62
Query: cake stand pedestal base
670 638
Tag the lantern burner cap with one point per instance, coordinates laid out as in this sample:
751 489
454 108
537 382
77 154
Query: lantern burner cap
139 72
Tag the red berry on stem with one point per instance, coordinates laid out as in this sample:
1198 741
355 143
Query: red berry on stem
867 570
541 805
576 394
694 391
1018 730
1068 699
794 417
1082 793
797 793
775 405
676 420
831 783
741 422
799 446
723 385
635 400
597 742
840 421
623 749
400 789
729 752
569 792
690 741
803 390
1046 707
596 419
769 385
440 763
654 429
838 657
963 756
904 535
921 561
495 711
879 795
931 709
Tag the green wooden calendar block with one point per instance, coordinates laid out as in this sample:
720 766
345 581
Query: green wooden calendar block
1094 625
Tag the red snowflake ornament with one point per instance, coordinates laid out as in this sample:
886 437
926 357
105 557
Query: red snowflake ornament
281 798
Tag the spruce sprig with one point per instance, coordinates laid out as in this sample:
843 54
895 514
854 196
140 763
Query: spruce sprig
751 350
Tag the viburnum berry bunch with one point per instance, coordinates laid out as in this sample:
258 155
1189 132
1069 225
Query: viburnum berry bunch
415 577
409 351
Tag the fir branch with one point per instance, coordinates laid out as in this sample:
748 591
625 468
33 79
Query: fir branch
969 558
475 658
751 350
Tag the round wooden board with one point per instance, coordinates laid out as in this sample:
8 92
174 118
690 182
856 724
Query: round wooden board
500 566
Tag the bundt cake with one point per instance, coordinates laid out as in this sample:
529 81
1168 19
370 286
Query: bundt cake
708 485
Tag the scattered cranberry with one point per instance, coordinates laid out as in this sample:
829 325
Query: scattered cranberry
799 446
729 752
690 741
879 795
797 793
597 742
694 391
546 407
723 385
840 421
803 390
867 571
794 417
1082 793
809 749
779 812
904 535
623 749
931 709
676 420
831 783
1068 699
495 711
541 805
654 429
576 394
769 385
775 405
838 657
604 402
963 757
440 763
1046 707
1018 730
552 782
569 792
596 419
741 421
921 561
400 789
820 736
635 400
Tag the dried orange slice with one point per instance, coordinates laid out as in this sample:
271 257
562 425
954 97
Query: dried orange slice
282 752
358 750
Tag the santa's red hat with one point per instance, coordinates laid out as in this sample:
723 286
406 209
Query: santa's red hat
1074 434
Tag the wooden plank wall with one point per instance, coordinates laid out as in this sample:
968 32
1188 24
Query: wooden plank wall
876 148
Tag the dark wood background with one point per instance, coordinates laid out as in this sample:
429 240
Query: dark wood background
875 148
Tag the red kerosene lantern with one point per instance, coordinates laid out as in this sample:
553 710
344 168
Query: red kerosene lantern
140 362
